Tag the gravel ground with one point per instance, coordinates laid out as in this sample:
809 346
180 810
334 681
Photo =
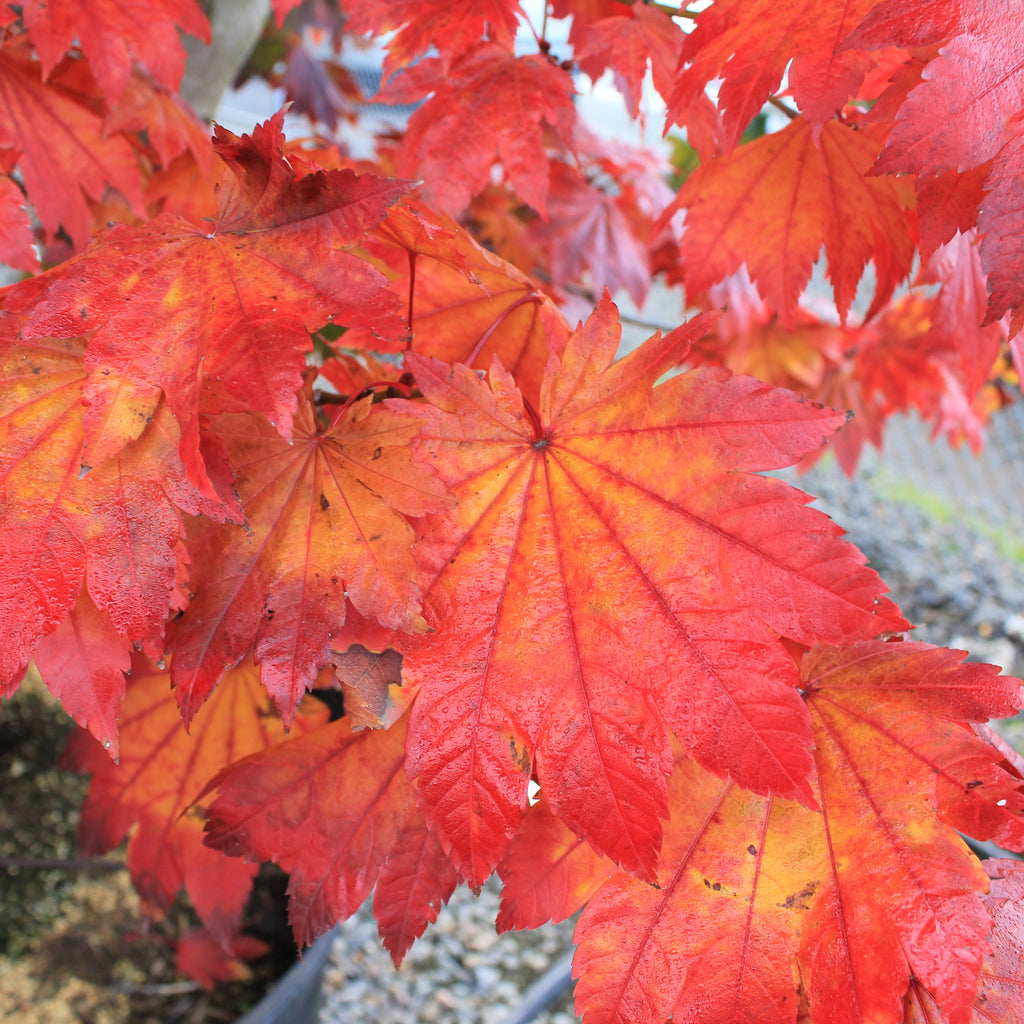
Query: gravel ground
942 528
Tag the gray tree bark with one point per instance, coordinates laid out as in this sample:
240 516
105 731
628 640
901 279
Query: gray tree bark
236 25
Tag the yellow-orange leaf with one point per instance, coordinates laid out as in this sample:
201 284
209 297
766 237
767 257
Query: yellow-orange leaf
613 569
325 525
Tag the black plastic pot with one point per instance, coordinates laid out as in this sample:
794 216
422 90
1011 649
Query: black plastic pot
295 999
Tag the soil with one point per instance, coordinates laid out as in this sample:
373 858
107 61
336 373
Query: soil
75 945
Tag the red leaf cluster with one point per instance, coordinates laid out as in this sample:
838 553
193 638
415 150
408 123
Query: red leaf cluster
274 419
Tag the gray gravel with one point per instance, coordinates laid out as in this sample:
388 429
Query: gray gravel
460 972
942 528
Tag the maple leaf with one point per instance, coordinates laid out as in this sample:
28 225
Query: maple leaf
318 89
16 242
548 873
565 620
372 684
774 202
116 526
626 43
956 331
761 902
171 127
586 231
1001 989
490 105
325 525
327 807
417 879
112 33
64 151
1001 223
202 956
974 86
950 204
1001 995
584 14
83 663
466 305
749 339
448 27
966 111
918 23
161 772
237 298
748 45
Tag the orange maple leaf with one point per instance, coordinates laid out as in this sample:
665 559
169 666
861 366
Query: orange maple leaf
465 305
324 525
115 526
762 903
161 772
594 587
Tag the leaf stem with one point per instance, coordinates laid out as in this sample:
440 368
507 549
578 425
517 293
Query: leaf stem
538 428
485 337
784 107
397 385
412 292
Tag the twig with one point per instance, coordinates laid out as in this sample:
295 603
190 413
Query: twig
59 864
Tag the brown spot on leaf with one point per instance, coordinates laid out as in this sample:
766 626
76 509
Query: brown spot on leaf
799 900
520 755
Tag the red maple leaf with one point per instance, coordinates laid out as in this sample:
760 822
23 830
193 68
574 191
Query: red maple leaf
957 334
563 621
966 111
1001 989
83 663
450 28
207 958
748 45
774 202
171 127
626 43
417 879
113 33
548 873
489 106
589 237
236 298
967 108
16 242
65 153
328 807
